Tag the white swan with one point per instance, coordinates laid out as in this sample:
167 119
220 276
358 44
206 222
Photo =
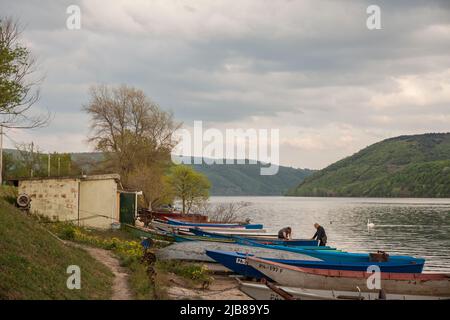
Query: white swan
370 224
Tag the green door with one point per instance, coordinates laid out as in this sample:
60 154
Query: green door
127 208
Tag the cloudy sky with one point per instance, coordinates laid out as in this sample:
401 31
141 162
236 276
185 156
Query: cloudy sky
312 69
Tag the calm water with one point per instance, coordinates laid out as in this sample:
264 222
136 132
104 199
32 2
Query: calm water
419 227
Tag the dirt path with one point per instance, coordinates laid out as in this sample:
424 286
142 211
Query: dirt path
121 290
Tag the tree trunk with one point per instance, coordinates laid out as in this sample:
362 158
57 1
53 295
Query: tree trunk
184 205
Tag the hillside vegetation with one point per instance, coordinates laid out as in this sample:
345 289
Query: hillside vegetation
33 263
405 166
245 179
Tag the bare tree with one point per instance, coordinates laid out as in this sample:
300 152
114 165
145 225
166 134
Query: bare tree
224 212
19 86
30 156
132 131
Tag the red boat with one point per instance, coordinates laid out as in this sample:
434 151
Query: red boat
146 215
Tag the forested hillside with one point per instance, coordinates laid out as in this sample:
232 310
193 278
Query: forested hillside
405 166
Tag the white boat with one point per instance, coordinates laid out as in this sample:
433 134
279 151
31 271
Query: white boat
259 291
224 231
195 251
426 284
239 233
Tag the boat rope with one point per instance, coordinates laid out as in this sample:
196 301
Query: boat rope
80 219
55 236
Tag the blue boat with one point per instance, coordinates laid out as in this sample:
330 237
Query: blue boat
186 238
333 255
236 262
261 240
215 225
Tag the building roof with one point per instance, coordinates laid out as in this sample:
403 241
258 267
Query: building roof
108 176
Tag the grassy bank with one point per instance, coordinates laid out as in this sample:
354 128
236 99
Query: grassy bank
124 245
33 263
144 285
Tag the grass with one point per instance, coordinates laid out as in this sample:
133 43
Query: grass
33 263
193 272
126 247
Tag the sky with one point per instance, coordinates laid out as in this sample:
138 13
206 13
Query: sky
311 69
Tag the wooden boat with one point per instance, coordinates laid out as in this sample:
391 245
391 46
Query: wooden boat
415 264
259 291
427 284
236 261
260 239
158 224
216 225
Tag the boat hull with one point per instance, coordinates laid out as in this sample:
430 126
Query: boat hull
237 262
196 251
261 240
176 228
343 257
392 283
258 291
148 233
184 238
218 225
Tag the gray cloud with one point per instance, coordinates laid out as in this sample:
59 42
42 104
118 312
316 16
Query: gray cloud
305 66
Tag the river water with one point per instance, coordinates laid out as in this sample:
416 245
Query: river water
419 227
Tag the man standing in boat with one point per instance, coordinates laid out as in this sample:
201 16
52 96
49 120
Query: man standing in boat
285 233
320 235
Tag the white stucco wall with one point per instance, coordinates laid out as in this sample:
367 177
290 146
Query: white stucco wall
90 200
54 198
98 197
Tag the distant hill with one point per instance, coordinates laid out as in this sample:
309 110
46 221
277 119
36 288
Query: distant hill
245 179
229 179
405 166
87 160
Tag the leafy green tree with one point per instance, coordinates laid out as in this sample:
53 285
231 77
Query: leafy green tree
18 85
188 185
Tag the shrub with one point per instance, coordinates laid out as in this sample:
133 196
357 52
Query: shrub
68 232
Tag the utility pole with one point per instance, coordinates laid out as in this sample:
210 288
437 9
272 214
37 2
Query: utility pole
48 164
1 154
32 160
59 166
